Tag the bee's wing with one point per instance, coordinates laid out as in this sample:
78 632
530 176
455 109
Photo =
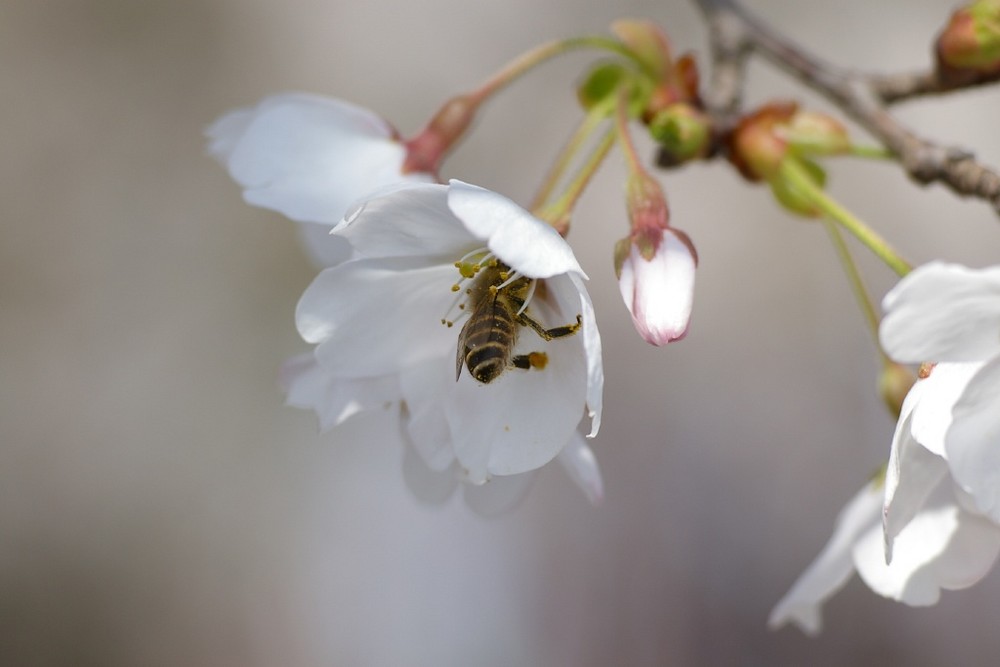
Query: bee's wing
460 351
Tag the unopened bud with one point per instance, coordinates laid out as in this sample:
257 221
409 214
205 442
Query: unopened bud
814 133
603 80
971 40
756 148
893 385
684 132
658 290
790 195
647 41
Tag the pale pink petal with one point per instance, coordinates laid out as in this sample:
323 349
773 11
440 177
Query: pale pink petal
659 293
375 317
519 239
973 442
334 399
943 312
580 464
833 567
943 547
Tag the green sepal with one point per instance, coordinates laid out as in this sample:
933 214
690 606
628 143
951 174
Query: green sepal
793 198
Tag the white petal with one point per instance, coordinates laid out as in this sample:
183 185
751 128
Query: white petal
311 387
308 156
412 220
424 385
433 487
833 567
522 241
943 312
659 293
499 495
943 547
591 344
580 464
932 415
521 420
375 317
913 473
973 442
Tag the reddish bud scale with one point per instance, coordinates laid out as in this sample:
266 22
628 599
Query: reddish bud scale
648 213
755 148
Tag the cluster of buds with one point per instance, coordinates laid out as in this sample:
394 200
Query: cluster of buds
668 99
673 109
969 46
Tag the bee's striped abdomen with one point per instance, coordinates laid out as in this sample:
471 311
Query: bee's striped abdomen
489 341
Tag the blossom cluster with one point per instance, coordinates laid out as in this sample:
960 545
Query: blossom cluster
467 318
403 255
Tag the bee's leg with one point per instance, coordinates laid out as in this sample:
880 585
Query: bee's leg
554 332
533 360
522 361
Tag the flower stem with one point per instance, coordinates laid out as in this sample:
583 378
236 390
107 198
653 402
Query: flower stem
558 212
872 152
583 132
857 282
535 57
797 176
621 125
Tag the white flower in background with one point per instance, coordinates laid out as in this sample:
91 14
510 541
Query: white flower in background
940 545
936 524
658 290
949 314
309 157
387 327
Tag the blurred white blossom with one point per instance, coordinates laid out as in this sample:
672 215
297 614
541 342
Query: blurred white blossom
310 157
937 523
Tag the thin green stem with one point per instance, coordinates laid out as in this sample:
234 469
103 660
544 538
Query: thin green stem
583 132
857 282
558 212
799 178
624 136
872 152
535 57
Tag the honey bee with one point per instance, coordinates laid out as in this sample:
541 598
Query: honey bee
496 313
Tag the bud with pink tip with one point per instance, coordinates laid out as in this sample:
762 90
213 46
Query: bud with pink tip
655 266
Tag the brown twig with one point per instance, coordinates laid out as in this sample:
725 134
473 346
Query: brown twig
735 34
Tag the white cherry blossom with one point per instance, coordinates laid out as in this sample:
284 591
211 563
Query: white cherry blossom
950 315
309 157
386 327
937 524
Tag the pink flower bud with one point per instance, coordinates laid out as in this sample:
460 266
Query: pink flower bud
658 291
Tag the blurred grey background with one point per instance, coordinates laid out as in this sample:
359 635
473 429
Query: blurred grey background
160 506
